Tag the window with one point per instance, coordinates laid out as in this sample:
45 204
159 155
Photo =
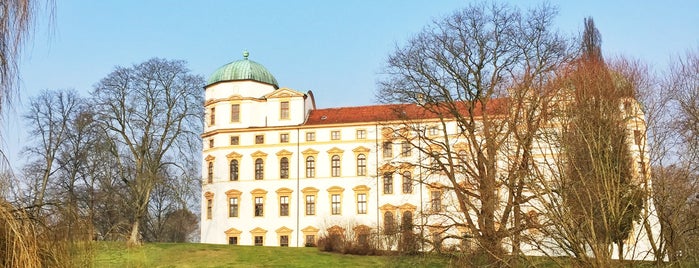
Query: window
434 158
407 221
361 134
235 113
233 240
209 208
235 140
310 205
284 240
433 131
389 224
310 136
436 198
335 166
259 139
284 206
388 183
310 167
335 135
284 138
259 207
211 143
462 160
259 240
284 168
233 169
259 169
210 172
407 183
387 149
212 116
284 110
361 165
233 207
405 149
310 240
335 205
361 203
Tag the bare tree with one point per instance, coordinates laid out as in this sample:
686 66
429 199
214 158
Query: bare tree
675 169
169 204
676 193
682 82
480 73
48 118
151 113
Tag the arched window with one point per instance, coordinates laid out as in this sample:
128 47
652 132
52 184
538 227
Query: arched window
335 166
407 183
361 165
407 221
284 168
310 167
259 169
210 172
234 170
389 224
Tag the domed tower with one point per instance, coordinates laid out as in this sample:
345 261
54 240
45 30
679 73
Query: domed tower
244 94
242 70
249 122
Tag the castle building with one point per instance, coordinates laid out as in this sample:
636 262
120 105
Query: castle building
277 171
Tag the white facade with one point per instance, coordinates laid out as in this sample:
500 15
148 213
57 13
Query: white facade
271 137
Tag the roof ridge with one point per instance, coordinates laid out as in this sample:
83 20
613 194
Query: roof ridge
364 106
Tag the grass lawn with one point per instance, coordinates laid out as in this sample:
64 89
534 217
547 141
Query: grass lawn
114 254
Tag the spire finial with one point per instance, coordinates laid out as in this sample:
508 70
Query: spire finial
246 54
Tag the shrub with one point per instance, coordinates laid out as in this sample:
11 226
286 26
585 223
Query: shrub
348 244
409 243
331 243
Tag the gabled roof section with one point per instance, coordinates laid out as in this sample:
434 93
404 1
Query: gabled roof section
284 93
395 112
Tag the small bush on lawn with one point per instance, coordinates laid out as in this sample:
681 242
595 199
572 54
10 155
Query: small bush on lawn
338 243
331 243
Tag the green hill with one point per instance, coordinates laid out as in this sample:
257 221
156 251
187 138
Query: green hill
112 254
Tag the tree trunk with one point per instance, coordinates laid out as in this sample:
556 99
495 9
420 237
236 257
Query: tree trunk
134 239
621 250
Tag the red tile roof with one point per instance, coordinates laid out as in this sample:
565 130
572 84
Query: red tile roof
392 112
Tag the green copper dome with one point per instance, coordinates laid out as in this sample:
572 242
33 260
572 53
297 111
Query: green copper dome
244 69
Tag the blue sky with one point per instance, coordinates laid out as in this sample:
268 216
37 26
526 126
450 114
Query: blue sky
336 49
